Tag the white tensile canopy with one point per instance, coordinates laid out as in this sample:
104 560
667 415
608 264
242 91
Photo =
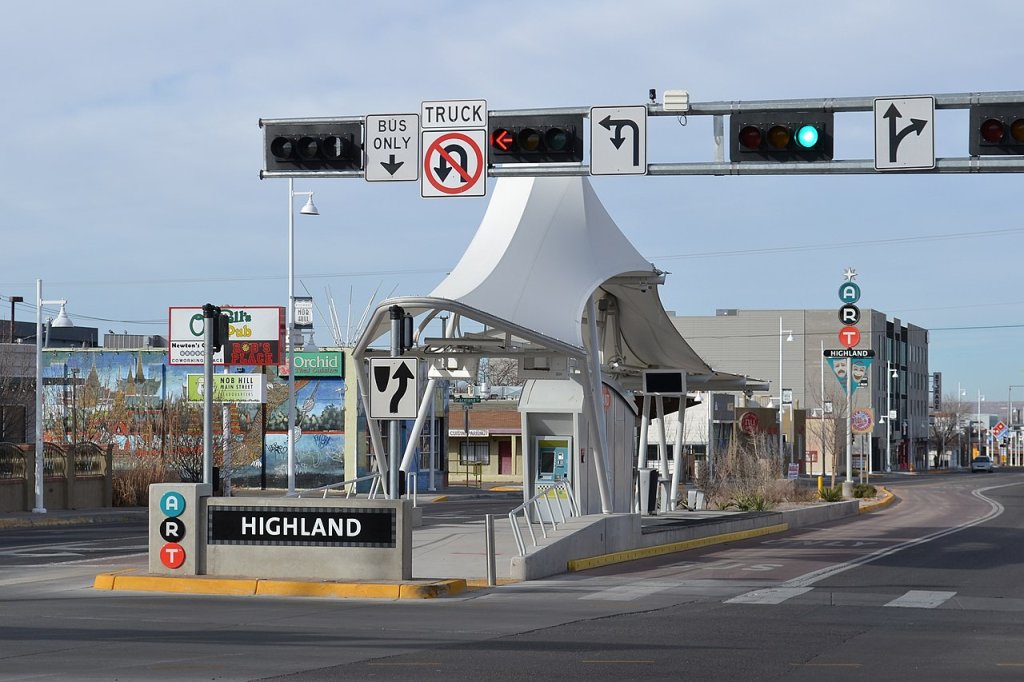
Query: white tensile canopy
547 270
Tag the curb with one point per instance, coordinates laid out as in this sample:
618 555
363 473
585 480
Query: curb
887 498
644 552
45 521
426 589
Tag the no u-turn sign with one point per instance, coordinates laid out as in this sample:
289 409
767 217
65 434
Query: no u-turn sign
454 163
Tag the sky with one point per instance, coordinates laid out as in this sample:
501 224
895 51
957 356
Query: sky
133 151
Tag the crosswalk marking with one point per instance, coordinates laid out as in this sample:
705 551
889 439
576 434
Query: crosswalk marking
771 595
914 599
922 599
629 592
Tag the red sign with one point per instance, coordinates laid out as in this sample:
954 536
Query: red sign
458 152
849 336
252 353
172 555
749 423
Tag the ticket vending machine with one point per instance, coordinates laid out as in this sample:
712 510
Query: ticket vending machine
557 433
553 458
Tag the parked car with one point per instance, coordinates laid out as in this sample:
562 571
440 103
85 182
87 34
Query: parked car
981 463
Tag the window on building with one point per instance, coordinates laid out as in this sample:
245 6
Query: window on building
474 452
12 424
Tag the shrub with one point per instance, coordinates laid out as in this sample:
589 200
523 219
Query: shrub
864 490
832 494
750 501
132 479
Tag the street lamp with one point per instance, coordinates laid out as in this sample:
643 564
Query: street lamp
308 209
980 442
961 460
1009 421
40 507
892 374
781 390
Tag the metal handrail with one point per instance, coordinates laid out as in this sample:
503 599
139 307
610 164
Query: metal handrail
533 504
411 483
374 487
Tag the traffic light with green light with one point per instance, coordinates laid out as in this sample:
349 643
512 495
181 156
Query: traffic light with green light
780 136
997 129
556 138
313 146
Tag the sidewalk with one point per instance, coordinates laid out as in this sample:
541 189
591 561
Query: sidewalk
70 517
449 549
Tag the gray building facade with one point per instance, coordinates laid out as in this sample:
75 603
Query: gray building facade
750 342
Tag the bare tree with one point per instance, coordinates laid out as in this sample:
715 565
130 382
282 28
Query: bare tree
17 390
503 372
831 437
946 425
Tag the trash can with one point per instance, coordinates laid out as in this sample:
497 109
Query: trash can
648 480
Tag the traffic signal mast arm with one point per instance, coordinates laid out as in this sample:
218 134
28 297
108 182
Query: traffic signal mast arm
1002 156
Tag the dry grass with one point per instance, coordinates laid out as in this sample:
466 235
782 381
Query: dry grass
748 476
132 479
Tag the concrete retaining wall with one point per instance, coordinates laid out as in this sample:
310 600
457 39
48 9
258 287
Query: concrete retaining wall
284 538
596 535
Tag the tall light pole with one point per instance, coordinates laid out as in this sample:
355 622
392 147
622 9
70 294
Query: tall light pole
891 373
790 338
960 393
308 209
980 442
40 507
1009 418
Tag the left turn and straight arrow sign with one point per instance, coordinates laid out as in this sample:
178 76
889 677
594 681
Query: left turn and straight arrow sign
392 147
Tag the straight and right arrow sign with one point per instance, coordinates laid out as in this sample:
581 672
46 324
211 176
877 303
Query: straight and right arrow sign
904 133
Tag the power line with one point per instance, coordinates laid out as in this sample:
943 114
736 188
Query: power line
840 245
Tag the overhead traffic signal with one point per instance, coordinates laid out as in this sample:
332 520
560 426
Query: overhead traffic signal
536 139
997 129
313 146
780 136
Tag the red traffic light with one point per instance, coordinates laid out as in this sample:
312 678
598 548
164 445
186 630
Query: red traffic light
992 131
750 137
548 138
997 129
502 139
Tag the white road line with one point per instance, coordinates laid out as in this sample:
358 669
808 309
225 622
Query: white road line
829 571
629 592
770 595
922 599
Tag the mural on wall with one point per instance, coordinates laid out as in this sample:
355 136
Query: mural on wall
136 401
320 419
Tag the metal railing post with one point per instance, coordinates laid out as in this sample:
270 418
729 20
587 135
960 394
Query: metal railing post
489 523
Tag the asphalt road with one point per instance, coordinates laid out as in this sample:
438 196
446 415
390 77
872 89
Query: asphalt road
928 588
